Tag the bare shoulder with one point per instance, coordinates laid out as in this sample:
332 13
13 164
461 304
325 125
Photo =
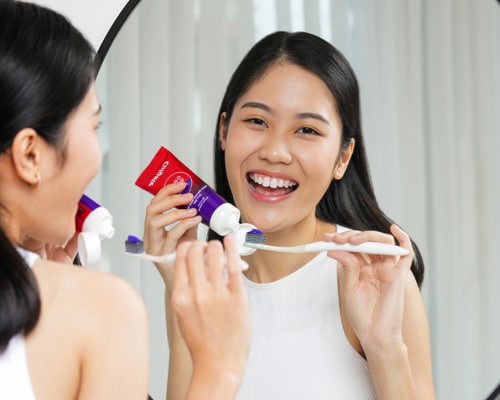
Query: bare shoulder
89 293
93 331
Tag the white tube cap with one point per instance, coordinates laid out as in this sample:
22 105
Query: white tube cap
89 248
225 219
101 221
240 235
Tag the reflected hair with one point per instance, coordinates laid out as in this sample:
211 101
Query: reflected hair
350 201
46 69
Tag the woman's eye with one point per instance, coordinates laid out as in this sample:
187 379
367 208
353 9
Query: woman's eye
256 121
308 131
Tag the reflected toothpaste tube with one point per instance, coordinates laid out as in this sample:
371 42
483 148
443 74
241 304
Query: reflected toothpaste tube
165 169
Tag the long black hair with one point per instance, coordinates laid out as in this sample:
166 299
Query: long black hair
46 69
351 201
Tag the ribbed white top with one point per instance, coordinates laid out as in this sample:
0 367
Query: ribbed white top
299 349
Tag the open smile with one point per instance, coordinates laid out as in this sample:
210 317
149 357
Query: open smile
271 186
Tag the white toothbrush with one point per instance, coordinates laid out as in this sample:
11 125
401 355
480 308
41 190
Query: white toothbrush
163 259
170 258
367 247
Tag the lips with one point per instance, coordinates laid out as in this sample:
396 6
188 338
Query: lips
270 185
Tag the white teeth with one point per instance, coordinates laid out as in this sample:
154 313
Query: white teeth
273 183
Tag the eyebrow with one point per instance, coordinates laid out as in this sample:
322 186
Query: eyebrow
304 115
255 104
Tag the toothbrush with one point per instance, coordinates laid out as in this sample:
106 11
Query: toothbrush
256 240
163 259
135 247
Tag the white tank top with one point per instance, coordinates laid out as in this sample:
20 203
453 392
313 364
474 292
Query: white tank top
15 381
299 349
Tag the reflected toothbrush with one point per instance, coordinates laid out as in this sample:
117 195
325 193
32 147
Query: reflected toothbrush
255 239
135 247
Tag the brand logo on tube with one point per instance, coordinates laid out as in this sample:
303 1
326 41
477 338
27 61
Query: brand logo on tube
180 176
158 174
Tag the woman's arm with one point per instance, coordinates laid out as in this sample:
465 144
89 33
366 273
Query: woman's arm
384 312
404 369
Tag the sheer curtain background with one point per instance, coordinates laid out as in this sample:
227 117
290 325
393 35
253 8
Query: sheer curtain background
430 87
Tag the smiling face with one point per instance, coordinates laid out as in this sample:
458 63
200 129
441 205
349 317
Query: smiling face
282 148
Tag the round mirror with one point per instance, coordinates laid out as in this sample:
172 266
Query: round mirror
429 85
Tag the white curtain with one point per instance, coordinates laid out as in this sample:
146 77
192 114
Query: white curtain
430 86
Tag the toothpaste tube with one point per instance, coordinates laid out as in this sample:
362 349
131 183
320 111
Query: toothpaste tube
93 223
165 168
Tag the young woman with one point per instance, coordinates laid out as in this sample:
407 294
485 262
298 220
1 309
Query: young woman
289 154
68 332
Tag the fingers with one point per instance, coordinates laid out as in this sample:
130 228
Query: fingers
403 239
167 211
171 194
405 242
169 199
358 237
71 247
355 237
234 264
181 278
199 263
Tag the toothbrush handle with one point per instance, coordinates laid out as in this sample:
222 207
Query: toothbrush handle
163 259
170 258
367 247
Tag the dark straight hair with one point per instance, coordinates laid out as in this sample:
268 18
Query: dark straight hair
46 69
351 201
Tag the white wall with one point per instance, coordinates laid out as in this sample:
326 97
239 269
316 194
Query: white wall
92 17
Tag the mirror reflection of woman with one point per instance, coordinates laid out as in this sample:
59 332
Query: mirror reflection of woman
289 153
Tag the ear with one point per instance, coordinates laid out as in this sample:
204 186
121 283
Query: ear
26 155
223 130
343 161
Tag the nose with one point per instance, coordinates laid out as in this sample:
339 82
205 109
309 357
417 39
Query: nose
276 150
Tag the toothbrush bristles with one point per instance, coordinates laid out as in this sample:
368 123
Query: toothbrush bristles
134 245
255 236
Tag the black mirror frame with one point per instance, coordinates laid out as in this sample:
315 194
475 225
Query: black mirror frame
113 31
104 48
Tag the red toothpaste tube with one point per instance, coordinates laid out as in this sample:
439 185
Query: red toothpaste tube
165 169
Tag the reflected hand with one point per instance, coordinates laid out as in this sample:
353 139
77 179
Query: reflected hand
374 286
163 211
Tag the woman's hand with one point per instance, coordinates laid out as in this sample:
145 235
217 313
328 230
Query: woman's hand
61 253
374 286
163 212
213 315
